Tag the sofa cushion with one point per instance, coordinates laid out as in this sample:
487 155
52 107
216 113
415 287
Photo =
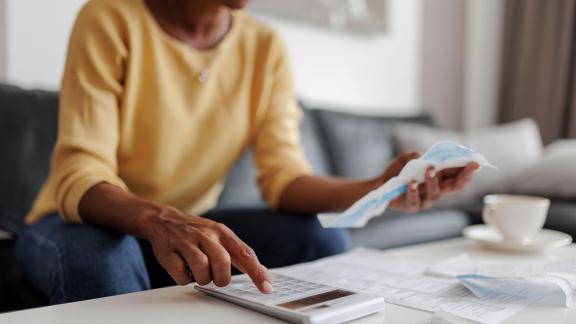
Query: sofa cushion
314 143
554 176
15 291
397 229
562 217
360 146
28 128
240 188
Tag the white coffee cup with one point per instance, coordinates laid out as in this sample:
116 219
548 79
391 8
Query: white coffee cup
517 218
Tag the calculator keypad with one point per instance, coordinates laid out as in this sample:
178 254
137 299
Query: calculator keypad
284 288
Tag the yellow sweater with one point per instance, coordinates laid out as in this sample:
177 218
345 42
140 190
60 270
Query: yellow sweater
134 112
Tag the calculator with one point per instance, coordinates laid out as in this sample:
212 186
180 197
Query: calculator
298 301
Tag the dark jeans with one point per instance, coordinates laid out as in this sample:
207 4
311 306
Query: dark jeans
70 262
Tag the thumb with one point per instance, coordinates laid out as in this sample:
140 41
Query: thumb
406 157
394 168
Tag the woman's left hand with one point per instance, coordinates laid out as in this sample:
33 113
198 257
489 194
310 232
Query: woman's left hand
437 184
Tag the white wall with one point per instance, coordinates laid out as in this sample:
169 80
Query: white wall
461 61
36 44
371 73
443 61
2 40
483 51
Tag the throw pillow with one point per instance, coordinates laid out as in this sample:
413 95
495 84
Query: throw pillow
554 176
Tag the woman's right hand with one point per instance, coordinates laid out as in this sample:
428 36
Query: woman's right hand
181 243
184 244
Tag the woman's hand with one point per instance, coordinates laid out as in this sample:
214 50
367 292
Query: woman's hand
200 247
186 246
437 184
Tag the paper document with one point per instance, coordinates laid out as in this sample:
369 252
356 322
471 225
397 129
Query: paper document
465 264
555 289
442 156
552 282
408 283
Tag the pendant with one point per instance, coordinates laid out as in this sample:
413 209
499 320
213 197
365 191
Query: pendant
203 75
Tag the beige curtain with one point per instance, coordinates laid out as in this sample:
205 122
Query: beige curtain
538 65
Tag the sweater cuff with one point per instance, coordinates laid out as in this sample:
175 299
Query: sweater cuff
69 208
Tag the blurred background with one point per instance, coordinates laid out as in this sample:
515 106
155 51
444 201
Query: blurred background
376 77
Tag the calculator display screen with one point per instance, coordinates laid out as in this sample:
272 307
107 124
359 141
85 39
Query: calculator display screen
316 299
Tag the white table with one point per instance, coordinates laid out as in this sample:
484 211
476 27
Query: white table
186 305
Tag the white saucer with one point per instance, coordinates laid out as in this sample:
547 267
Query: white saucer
490 238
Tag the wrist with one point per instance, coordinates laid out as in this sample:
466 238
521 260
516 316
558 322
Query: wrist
378 181
148 219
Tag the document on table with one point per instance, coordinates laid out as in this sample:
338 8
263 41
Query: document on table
464 264
552 281
408 283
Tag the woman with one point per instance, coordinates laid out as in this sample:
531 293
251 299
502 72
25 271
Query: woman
159 98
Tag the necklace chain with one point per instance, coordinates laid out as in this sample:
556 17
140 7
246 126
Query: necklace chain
204 71
182 24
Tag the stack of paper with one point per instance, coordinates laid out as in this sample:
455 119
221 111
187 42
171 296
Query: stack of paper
414 284
551 282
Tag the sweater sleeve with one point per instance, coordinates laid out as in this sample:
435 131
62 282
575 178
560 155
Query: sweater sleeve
88 136
277 147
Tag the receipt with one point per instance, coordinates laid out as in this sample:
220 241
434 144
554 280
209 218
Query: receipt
442 155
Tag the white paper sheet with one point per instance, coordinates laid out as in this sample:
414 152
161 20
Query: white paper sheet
405 282
553 289
553 282
465 264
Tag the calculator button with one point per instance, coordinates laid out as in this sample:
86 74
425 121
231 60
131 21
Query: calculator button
284 288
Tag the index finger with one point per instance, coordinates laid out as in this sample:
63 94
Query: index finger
458 182
466 175
472 167
453 172
245 259
408 155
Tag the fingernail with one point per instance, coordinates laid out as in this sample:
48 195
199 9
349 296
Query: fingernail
267 286
432 173
414 186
